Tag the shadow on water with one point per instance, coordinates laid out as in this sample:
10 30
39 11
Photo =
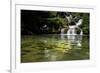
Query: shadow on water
44 48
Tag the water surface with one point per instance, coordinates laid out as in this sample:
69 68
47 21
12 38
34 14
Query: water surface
43 48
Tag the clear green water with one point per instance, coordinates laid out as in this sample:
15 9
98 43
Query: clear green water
44 48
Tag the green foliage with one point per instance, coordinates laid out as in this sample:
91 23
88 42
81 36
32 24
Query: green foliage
32 21
78 30
86 23
56 23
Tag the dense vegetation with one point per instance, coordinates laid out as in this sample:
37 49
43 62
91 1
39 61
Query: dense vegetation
43 22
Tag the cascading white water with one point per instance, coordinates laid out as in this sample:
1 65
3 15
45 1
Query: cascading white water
62 31
79 22
81 33
71 30
72 35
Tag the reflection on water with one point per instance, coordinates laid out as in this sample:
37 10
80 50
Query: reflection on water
73 40
50 55
54 48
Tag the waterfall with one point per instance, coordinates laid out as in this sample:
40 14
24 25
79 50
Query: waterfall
72 36
81 33
79 22
71 30
62 31
69 18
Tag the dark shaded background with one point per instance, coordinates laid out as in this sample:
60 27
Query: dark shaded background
49 22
